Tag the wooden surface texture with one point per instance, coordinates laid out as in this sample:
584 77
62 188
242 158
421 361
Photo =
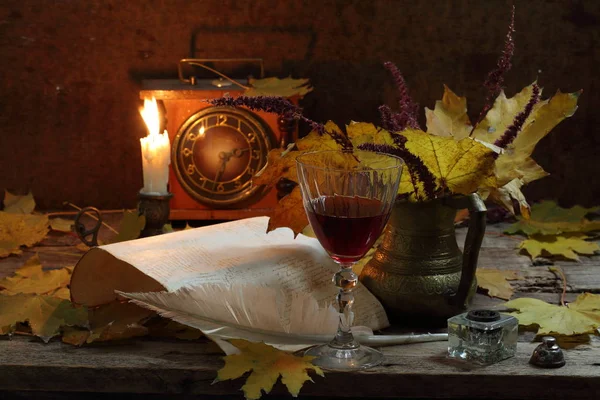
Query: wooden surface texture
180 369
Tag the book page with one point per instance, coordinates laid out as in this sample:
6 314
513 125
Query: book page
237 252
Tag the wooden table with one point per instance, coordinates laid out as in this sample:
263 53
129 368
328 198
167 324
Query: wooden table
157 369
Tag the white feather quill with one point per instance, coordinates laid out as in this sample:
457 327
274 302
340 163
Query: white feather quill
258 314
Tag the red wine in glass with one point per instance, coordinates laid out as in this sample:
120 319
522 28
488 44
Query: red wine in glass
347 226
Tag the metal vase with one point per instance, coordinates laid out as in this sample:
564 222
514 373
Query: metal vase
418 272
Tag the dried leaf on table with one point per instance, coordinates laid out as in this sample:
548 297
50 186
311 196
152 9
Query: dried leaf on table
116 321
132 225
162 327
566 245
61 224
74 335
31 278
286 87
44 314
290 213
18 230
495 281
15 204
113 321
83 247
459 166
61 293
449 117
267 365
547 218
581 316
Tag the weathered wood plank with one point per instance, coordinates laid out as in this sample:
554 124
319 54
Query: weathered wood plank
420 370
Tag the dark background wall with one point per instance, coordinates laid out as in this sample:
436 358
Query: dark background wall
70 73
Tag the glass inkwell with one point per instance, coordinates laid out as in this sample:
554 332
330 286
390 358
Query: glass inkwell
482 336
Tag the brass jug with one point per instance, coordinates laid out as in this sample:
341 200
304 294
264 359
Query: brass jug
418 272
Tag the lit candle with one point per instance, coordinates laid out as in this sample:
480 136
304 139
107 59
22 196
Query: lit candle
156 151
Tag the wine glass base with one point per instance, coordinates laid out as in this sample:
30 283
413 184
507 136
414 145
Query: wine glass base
335 359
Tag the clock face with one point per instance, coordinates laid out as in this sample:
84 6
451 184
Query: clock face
216 153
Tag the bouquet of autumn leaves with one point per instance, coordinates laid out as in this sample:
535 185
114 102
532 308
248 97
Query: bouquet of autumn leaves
452 156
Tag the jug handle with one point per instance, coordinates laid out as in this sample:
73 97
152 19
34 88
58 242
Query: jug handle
477 213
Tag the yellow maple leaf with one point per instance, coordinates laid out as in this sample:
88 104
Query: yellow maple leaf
16 204
506 194
315 141
131 226
44 314
18 230
286 87
280 164
267 365
581 316
61 224
289 213
503 113
31 278
495 281
460 166
364 132
548 218
449 117
566 245
516 162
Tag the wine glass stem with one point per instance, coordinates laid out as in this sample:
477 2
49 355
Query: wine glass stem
345 279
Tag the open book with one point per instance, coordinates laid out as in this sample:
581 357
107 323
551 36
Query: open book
270 280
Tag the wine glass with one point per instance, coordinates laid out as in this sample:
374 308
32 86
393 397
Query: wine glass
348 198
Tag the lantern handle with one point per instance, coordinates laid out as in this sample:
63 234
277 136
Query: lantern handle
200 62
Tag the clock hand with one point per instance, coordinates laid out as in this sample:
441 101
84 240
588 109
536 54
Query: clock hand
239 152
224 157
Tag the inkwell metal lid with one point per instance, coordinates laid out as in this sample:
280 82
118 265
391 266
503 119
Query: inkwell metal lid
483 315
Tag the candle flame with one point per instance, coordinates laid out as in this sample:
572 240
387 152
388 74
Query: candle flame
201 132
150 115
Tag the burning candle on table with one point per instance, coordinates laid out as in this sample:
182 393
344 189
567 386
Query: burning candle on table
156 151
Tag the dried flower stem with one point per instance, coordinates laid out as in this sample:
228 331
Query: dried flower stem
407 117
415 165
283 107
495 78
564 283
513 130
387 119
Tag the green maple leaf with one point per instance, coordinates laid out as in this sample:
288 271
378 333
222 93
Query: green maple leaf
547 218
45 314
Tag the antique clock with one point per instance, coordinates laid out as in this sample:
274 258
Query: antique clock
215 151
